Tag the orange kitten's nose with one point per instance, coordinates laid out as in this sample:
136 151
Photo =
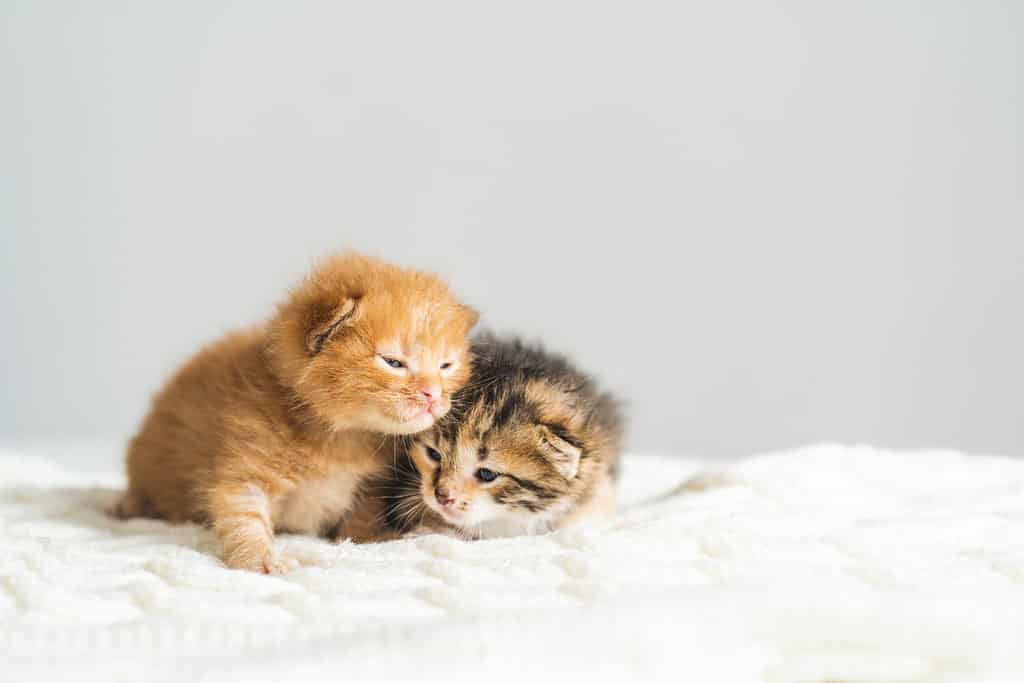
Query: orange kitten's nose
431 392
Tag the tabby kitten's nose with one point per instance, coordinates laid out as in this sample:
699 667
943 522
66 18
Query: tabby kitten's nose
444 497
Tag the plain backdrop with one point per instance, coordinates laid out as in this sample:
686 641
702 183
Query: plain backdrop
763 223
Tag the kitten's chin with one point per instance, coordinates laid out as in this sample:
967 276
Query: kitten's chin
387 424
461 522
467 522
487 520
415 425
420 420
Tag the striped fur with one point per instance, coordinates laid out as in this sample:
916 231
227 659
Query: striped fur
551 436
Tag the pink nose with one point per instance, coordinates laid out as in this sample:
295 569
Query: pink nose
431 393
444 497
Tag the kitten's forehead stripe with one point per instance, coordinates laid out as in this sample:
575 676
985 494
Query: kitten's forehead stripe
515 405
539 490
505 410
483 417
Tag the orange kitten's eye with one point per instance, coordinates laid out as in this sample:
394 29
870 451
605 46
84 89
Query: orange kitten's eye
433 454
446 365
393 362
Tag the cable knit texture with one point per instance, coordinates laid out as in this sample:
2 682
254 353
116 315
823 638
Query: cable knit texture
826 563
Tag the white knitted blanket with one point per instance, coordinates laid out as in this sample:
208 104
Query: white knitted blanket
822 564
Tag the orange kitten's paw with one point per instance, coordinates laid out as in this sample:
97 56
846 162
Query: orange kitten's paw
275 565
262 563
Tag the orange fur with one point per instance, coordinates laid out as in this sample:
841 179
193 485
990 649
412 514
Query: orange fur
274 427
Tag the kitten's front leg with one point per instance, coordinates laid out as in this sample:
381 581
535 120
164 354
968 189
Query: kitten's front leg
240 516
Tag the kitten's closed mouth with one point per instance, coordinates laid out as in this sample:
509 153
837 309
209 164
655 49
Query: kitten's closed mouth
455 517
443 512
432 412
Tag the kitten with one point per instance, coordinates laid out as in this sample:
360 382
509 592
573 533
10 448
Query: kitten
530 445
274 427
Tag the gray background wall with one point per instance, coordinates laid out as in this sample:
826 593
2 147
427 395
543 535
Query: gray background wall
763 223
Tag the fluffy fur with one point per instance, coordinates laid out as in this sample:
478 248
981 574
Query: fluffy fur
531 445
273 428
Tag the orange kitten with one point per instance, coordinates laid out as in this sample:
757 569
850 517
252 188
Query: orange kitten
273 428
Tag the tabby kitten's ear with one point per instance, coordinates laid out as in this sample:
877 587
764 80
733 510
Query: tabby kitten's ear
325 321
564 456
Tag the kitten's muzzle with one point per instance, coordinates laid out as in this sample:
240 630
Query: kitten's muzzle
444 496
432 399
431 393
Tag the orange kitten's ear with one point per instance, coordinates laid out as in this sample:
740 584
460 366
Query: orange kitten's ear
326 321
564 455
471 314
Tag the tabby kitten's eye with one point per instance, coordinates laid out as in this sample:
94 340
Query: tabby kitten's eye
433 454
485 475
393 362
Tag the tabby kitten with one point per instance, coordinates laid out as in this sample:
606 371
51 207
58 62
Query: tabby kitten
530 445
